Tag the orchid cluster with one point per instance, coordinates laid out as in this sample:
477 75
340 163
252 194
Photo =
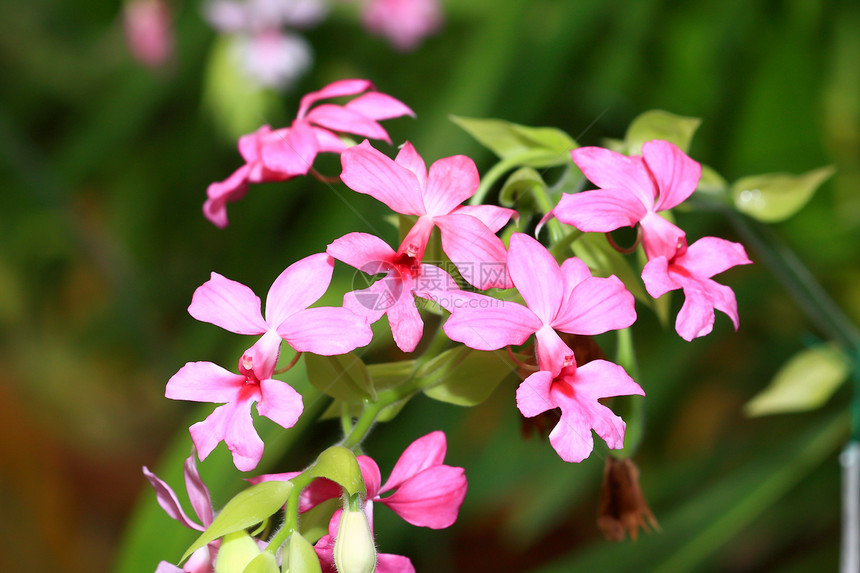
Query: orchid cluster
502 302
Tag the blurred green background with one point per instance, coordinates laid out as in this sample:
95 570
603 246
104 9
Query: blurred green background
103 169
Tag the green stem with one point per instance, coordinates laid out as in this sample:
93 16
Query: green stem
502 167
630 408
291 512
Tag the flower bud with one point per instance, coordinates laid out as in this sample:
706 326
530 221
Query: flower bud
354 551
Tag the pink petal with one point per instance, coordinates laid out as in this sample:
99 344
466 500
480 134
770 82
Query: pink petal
657 278
327 141
533 394
406 324
326 331
710 256
168 501
390 563
573 272
536 275
415 242
552 353
375 300
368 171
490 215
220 193
228 304
262 357
299 286
571 438
477 253
339 118
611 170
339 88
676 174
661 238
604 379
204 382
431 498
165 567
370 474
491 326
451 181
433 283
291 151
599 211
231 423
376 105
280 403
198 493
696 317
426 451
249 144
408 157
596 305
362 251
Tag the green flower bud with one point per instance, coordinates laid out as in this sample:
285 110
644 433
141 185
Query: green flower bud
354 551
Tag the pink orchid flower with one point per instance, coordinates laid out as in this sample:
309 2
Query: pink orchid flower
201 561
288 152
565 298
148 28
423 491
576 390
403 22
691 271
405 186
392 295
633 190
234 307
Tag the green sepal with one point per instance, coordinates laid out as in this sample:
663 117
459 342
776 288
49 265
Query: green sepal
314 522
517 189
238 550
340 466
659 124
596 252
343 376
249 507
805 382
263 563
465 377
533 146
300 556
777 196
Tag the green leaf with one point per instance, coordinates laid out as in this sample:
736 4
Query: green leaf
465 377
383 376
247 508
518 187
659 124
314 522
536 146
263 563
777 196
805 382
596 252
301 557
344 376
340 466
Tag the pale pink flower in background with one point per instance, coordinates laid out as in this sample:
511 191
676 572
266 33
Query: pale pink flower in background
405 23
393 295
405 186
201 561
633 190
148 28
288 152
566 298
691 271
267 52
576 390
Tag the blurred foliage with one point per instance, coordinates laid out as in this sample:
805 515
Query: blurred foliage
104 166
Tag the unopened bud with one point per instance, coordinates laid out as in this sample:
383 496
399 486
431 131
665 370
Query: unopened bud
354 551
